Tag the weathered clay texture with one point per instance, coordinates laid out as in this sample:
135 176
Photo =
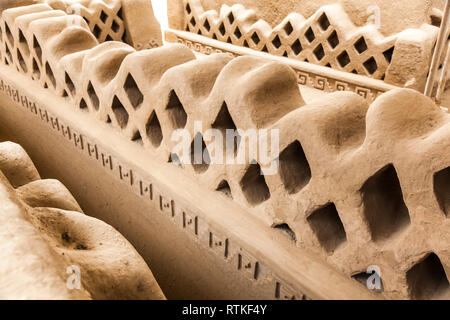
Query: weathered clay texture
328 37
359 185
395 16
130 21
44 231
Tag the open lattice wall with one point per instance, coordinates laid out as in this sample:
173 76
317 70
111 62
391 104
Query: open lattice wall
115 20
44 232
345 166
327 38
104 18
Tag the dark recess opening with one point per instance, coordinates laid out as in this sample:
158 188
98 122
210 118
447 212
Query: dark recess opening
427 279
384 208
254 185
177 115
134 94
284 227
93 96
328 228
441 186
120 112
295 172
224 188
200 159
153 129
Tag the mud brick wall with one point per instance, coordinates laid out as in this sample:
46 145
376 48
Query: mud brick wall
44 233
327 37
130 21
358 184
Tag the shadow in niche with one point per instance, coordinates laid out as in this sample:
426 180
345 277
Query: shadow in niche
120 112
37 49
427 280
134 94
177 115
286 230
93 96
36 70
70 85
50 75
225 189
200 159
175 159
22 63
328 227
137 138
83 105
154 131
384 208
441 185
224 122
254 185
363 277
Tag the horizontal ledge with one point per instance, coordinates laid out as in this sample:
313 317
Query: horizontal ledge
354 79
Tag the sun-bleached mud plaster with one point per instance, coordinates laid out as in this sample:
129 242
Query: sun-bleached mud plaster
395 16
44 233
375 174
130 21
328 37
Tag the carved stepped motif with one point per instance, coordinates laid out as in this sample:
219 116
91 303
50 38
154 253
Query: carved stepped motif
346 166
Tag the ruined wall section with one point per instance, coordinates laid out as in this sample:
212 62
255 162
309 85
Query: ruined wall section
359 185
46 241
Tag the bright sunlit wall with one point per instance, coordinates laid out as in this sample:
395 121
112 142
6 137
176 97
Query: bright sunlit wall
160 10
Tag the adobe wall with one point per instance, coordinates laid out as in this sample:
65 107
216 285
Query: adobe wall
51 250
328 37
375 174
396 16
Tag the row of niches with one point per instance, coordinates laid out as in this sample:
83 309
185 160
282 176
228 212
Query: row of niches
327 38
146 108
107 27
105 20
384 207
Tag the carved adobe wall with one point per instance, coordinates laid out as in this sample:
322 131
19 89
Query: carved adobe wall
376 175
44 232
132 22
327 37
129 21
395 16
